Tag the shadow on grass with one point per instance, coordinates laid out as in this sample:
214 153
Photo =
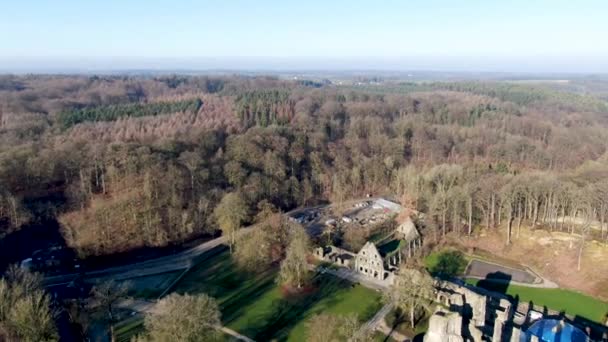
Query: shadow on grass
289 311
398 321
233 306
219 277
252 302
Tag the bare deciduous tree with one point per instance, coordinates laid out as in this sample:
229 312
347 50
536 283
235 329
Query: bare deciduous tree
183 318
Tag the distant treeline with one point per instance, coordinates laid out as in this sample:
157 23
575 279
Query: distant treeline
518 93
264 107
314 84
73 117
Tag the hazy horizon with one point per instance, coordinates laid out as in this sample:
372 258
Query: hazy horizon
440 35
305 64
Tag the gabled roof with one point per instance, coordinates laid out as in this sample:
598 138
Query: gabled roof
408 229
370 250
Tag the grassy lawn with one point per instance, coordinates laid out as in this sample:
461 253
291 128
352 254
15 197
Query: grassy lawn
571 302
254 305
284 318
219 277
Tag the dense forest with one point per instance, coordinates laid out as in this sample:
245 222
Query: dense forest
112 112
117 163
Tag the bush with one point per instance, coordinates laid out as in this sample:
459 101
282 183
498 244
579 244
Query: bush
448 264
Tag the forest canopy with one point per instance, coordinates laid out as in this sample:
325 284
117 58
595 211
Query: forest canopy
95 157
112 112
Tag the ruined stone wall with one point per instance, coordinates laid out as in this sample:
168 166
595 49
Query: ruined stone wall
369 262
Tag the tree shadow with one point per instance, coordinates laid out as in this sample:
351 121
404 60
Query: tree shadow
234 306
44 231
41 232
21 244
288 311
496 281
218 276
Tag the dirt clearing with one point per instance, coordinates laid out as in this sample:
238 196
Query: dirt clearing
552 255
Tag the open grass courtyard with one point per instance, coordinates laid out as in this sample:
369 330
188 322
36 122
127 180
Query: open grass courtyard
255 306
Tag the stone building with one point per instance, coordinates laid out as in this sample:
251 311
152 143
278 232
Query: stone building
380 262
410 235
370 263
377 261
338 256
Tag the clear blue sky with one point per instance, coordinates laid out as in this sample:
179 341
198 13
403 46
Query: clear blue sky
514 31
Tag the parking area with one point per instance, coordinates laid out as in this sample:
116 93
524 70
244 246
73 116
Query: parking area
361 213
489 271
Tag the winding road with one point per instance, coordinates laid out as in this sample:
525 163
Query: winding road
163 264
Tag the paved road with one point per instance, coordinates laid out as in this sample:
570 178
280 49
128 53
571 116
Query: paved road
164 264
179 261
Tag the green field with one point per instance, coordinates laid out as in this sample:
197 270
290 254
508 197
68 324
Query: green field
254 305
573 303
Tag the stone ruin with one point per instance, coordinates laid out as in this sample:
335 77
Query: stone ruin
481 317
334 255
444 326
369 261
